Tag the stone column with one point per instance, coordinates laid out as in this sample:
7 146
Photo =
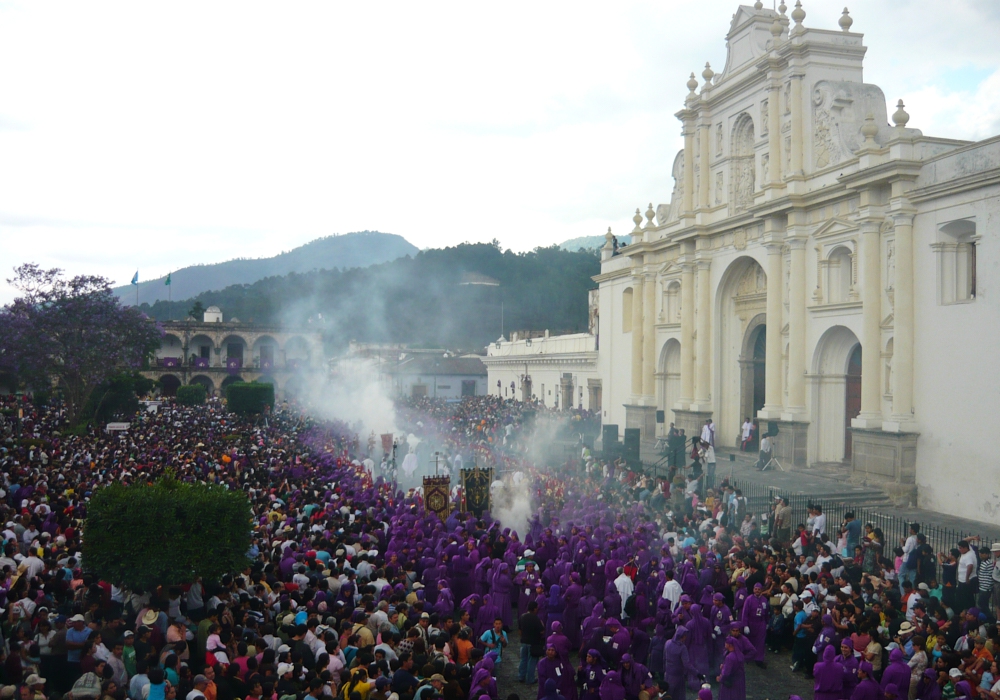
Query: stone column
775 161
704 182
902 343
871 333
637 298
775 284
687 333
703 345
687 203
649 340
796 122
797 327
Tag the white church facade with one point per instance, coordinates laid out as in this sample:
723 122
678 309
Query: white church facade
817 268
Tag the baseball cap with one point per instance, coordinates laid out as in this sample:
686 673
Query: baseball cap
435 677
77 618
955 673
34 679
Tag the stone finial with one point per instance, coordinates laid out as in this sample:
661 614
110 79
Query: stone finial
869 130
900 117
845 21
650 215
798 14
758 5
692 83
638 221
782 8
777 26
708 74
609 239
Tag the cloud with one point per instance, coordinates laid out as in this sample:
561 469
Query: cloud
153 136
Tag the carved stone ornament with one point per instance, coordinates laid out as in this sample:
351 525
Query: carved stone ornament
740 239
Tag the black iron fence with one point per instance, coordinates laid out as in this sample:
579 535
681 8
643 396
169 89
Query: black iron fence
761 501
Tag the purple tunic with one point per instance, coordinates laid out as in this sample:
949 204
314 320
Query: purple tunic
867 690
733 677
559 671
675 663
829 684
896 672
756 613
611 687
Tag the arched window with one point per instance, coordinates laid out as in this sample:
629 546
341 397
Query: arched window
742 164
839 275
956 252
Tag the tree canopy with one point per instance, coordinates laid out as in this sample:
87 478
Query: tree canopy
71 333
166 533
456 297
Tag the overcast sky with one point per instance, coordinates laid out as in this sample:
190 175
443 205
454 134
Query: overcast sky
150 136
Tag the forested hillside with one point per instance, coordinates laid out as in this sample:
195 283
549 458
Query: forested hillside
439 297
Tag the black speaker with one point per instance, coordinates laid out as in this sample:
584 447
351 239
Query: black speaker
661 417
772 428
609 436
632 445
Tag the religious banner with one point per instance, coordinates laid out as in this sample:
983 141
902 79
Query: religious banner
476 486
387 443
437 495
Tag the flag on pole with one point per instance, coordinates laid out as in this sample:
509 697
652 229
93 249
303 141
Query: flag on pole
167 281
135 278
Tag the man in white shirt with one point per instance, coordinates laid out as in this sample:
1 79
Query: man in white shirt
624 585
745 433
965 595
672 591
708 432
819 524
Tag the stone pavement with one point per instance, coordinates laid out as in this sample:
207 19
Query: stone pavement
831 482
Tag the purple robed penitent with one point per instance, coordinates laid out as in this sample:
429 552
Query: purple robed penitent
756 613
733 676
829 683
896 672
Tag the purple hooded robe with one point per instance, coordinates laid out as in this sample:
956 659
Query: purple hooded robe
829 683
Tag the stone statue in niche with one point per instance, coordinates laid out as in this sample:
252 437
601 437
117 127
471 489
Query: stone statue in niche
825 149
788 97
765 162
764 118
718 139
742 165
888 375
718 187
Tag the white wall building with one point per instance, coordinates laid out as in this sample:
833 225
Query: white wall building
818 268
560 371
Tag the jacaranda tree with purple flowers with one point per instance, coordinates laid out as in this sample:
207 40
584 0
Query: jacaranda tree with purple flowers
73 333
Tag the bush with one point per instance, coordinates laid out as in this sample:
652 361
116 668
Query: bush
165 534
249 397
191 394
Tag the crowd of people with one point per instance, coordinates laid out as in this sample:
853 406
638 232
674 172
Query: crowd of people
620 587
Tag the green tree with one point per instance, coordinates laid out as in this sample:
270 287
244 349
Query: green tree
119 396
249 397
73 332
197 310
191 394
167 533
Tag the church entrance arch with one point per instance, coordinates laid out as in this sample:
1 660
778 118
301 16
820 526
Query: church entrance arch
753 369
852 398
836 392
741 327
670 380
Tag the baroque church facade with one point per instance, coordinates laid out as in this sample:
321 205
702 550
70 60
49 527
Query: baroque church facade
819 268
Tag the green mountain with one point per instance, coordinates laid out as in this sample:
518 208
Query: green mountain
360 249
590 242
450 297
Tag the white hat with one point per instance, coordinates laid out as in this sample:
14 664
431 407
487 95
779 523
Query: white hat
284 668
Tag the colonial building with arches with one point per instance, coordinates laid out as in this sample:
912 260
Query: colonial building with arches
215 353
816 268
